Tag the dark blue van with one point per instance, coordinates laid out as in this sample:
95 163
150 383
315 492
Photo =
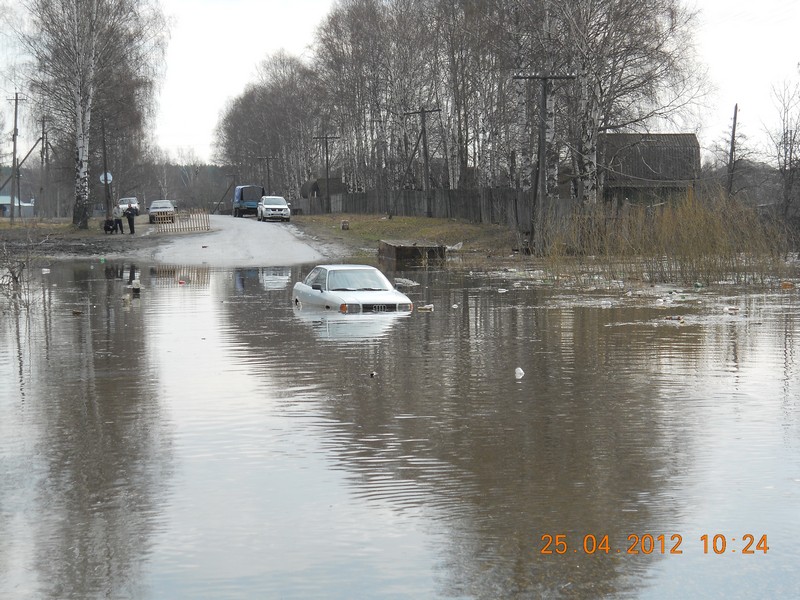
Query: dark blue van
245 199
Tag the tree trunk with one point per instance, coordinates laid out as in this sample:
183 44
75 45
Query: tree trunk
587 161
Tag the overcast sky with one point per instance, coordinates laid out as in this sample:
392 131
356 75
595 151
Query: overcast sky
213 53
748 46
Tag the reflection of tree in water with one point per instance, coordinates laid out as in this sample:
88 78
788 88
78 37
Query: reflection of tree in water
577 447
102 437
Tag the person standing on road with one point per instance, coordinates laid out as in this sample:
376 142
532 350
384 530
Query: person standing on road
116 214
130 213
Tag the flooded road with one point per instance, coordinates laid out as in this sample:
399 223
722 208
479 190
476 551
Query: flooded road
204 441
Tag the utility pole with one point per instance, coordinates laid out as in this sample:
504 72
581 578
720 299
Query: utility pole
327 170
266 159
541 163
426 183
42 183
732 154
105 169
14 167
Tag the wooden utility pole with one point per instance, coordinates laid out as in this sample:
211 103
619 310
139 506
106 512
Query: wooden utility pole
426 183
105 169
14 166
732 154
327 170
40 201
266 159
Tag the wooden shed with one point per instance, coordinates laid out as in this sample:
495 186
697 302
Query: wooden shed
648 167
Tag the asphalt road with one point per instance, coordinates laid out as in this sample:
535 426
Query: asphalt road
242 242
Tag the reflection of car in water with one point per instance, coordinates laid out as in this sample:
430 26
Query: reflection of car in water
274 278
264 278
349 289
336 326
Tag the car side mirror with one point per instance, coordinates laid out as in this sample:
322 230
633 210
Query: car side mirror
316 286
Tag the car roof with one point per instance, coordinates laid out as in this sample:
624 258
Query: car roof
340 267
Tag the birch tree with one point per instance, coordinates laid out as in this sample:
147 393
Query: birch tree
634 65
79 47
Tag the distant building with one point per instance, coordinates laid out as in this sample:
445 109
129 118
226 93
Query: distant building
316 187
23 209
648 167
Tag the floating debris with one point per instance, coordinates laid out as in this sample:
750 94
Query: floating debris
425 308
400 281
502 290
519 373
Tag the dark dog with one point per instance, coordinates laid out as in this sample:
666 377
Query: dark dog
108 226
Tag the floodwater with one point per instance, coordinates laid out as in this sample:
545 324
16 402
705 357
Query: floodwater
204 441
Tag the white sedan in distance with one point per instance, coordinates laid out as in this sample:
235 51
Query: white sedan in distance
349 289
273 207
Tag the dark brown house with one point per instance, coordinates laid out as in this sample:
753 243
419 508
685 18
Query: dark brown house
648 167
317 186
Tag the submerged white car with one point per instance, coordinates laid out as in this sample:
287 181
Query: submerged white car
349 289
273 207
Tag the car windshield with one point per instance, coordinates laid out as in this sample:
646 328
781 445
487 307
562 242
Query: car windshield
356 279
274 201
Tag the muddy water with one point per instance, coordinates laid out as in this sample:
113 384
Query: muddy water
205 441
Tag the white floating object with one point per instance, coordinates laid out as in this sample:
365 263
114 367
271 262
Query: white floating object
425 308
45 271
502 290
455 305
400 281
519 373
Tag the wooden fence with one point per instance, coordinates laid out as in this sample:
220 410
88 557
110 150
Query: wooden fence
183 222
508 207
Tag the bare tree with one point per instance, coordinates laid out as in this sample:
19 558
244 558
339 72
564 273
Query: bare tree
376 61
634 65
82 51
785 142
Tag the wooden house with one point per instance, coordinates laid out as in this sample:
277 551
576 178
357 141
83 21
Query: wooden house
648 167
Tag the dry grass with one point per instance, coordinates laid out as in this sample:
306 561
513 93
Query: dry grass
682 241
479 242
38 227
